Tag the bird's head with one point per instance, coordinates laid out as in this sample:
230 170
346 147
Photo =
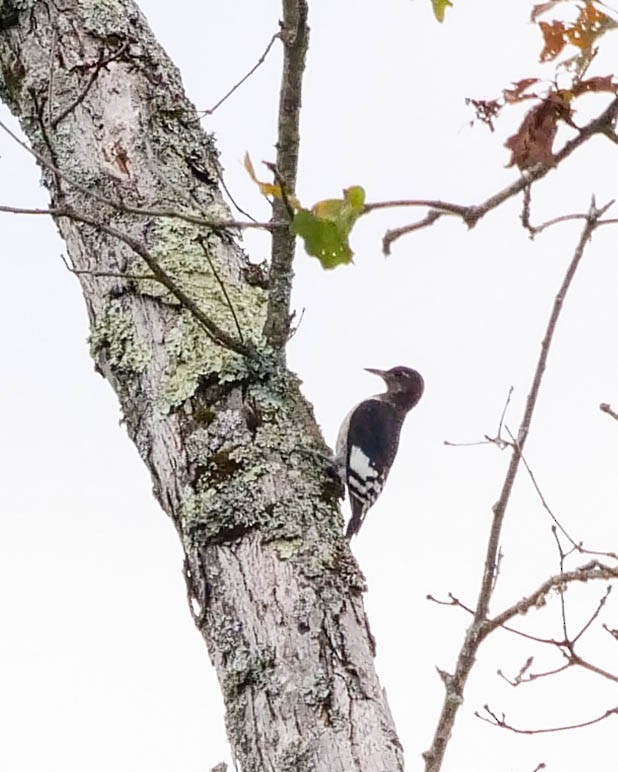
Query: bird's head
402 383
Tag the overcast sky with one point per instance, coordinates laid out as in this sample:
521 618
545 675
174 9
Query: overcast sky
100 665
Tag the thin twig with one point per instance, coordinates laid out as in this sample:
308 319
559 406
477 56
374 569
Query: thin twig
527 678
535 229
444 207
561 588
233 200
537 488
591 571
494 720
596 613
522 676
506 407
607 408
577 660
223 289
453 601
396 233
497 440
612 631
97 67
259 62
106 274
122 275
50 89
214 332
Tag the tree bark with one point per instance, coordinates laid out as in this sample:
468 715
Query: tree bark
219 422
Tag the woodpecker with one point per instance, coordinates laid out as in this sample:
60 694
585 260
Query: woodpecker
369 437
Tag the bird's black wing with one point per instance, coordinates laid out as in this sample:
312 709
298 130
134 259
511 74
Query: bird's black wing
372 438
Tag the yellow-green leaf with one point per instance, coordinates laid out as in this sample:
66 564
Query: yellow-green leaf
326 228
266 188
439 8
322 239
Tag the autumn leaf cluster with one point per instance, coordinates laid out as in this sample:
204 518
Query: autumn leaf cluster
533 141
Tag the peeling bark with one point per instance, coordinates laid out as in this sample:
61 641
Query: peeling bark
227 438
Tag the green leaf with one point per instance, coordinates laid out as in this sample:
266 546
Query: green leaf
439 8
326 227
322 239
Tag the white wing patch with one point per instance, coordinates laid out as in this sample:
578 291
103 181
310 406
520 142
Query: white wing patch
364 480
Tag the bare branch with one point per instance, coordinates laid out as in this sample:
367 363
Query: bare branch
596 613
607 408
396 233
96 68
612 631
453 601
481 626
259 62
554 221
214 332
107 274
127 208
591 571
498 440
501 722
471 214
295 37
50 87
577 660
223 288
539 492
522 676
442 207
233 200
525 678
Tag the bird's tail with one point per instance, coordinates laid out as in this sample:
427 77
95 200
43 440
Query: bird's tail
359 510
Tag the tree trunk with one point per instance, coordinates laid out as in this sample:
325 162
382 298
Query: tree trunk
220 423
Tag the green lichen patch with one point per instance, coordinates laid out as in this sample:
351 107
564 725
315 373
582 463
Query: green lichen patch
247 667
232 305
220 508
192 356
193 261
113 336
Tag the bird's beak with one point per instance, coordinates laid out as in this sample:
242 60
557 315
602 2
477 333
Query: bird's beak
381 373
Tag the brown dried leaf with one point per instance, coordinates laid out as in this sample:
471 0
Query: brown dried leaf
598 83
553 35
486 110
515 94
533 141
589 25
541 8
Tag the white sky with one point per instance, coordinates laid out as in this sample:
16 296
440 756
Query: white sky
100 665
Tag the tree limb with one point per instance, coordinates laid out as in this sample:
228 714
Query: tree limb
471 214
295 37
475 633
